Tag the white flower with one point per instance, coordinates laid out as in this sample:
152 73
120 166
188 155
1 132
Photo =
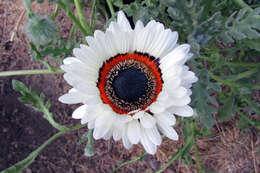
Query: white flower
131 83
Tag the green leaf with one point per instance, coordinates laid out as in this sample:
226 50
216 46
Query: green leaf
41 30
201 99
253 43
36 102
226 111
242 25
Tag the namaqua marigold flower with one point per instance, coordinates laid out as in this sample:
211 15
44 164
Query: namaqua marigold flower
131 82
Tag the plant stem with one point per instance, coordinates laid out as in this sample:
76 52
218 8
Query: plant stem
82 18
198 158
56 12
30 72
28 8
249 120
242 4
20 166
92 17
111 8
72 17
245 74
129 162
179 153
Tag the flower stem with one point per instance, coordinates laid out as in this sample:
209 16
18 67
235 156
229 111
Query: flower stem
30 72
179 153
129 162
20 166
198 158
92 17
56 12
72 17
82 18
249 120
111 8
242 4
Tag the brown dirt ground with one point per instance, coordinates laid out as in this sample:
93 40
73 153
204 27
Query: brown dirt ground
22 129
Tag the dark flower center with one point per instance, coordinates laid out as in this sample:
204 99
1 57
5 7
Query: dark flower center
129 82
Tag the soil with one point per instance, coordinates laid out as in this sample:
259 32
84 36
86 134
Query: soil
22 129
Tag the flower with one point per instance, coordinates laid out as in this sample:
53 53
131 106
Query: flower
132 83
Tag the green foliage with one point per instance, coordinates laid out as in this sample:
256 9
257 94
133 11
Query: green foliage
241 25
224 39
89 148
202 101
226 111
36 102
41 30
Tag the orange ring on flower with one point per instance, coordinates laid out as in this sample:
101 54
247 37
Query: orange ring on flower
145 60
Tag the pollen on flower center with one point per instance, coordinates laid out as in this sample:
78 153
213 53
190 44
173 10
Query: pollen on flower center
129 82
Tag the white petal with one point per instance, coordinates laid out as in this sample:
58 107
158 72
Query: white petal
181 101
154 135
70 60
99 132
79 112
87 56
117 133
104 118
138 115
177 92
125 139
172 83
148 145
133 131
156 107
108 134
167 118
123 22
177 56
72 98
92 113
167 130
185 111
96 47
138 26
91 124
88 117
147 121
188 77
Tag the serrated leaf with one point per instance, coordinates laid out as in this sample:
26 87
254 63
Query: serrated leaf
226 111
242 25
36 102
200 99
